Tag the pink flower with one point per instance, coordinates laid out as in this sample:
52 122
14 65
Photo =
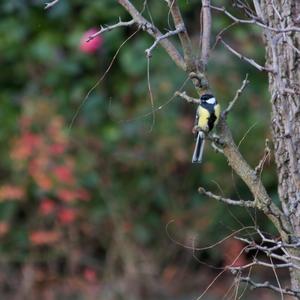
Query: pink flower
67 216
47 207
90 46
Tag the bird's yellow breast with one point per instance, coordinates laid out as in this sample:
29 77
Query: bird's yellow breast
208 117
203 116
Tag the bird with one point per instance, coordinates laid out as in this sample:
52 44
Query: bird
207 116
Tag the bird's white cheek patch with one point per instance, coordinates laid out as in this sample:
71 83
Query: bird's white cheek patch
211 101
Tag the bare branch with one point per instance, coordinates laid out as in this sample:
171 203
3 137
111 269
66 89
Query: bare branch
50 4
246 8
271 251
243 203
183 35
110 27
154 32
164 36
187 98
249 60
206 31
218 36
279 244
266 155
261 263
254 21
267 285
268 251
237 95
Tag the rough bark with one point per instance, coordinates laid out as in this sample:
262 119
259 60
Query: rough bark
283 57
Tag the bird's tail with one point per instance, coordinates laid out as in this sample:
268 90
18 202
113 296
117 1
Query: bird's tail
198 152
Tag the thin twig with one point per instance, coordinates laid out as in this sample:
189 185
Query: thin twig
254 21
243 203
247 9
266 155
249 60
110 27
236 97
267 285
262 263
221 33
187 98
265 249
163 36
279 243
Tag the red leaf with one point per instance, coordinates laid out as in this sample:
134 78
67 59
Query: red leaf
43 237
64 174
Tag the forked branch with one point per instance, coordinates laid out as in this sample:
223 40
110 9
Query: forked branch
160 38
187 98
267 285
110 27
183 35
154 32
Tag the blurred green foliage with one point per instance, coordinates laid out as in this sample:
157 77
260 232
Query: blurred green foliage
137 169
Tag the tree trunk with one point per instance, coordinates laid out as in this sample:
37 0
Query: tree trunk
283 57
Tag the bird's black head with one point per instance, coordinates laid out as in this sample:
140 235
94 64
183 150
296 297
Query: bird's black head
208 98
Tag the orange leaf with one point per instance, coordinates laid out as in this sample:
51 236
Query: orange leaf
67 195
11 192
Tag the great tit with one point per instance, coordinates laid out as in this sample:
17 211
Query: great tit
207 116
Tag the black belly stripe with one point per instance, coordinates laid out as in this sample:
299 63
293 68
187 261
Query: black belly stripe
211 121
212 117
